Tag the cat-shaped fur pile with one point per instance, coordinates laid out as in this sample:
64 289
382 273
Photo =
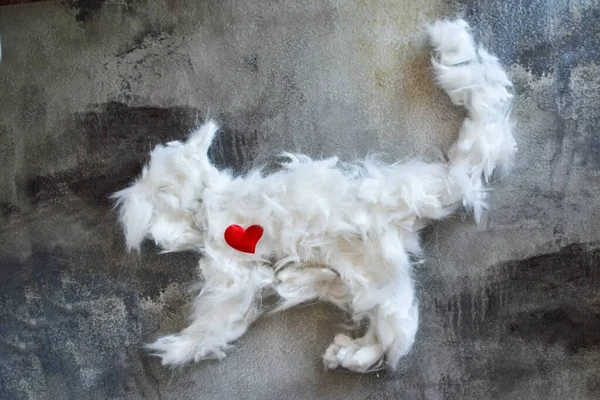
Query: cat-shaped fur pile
343 233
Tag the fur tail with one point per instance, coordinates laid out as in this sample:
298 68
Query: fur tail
163 203
475 80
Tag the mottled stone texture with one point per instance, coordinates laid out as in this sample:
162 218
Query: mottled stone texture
510 308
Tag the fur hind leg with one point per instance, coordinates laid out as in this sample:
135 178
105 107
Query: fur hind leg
393 322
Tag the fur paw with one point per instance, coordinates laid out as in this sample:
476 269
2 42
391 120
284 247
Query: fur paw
178 350
353 355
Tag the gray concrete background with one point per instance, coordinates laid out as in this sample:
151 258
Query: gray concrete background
510 308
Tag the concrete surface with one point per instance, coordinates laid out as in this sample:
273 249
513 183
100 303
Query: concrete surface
510 308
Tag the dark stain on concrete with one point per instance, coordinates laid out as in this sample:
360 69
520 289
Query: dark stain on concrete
110 145
112 142
95 189
571 276
252 62
85 8
33 108
9 210
526 321
147 37
234 150
569 326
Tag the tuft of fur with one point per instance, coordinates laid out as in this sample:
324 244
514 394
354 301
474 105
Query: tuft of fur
343 233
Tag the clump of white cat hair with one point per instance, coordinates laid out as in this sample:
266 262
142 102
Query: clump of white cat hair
335 232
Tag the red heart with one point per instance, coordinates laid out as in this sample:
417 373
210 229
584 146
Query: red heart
243 239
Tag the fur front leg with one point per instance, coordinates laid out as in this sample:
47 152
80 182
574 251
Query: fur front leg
228 303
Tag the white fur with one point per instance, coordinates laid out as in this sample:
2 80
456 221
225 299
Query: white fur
332 231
